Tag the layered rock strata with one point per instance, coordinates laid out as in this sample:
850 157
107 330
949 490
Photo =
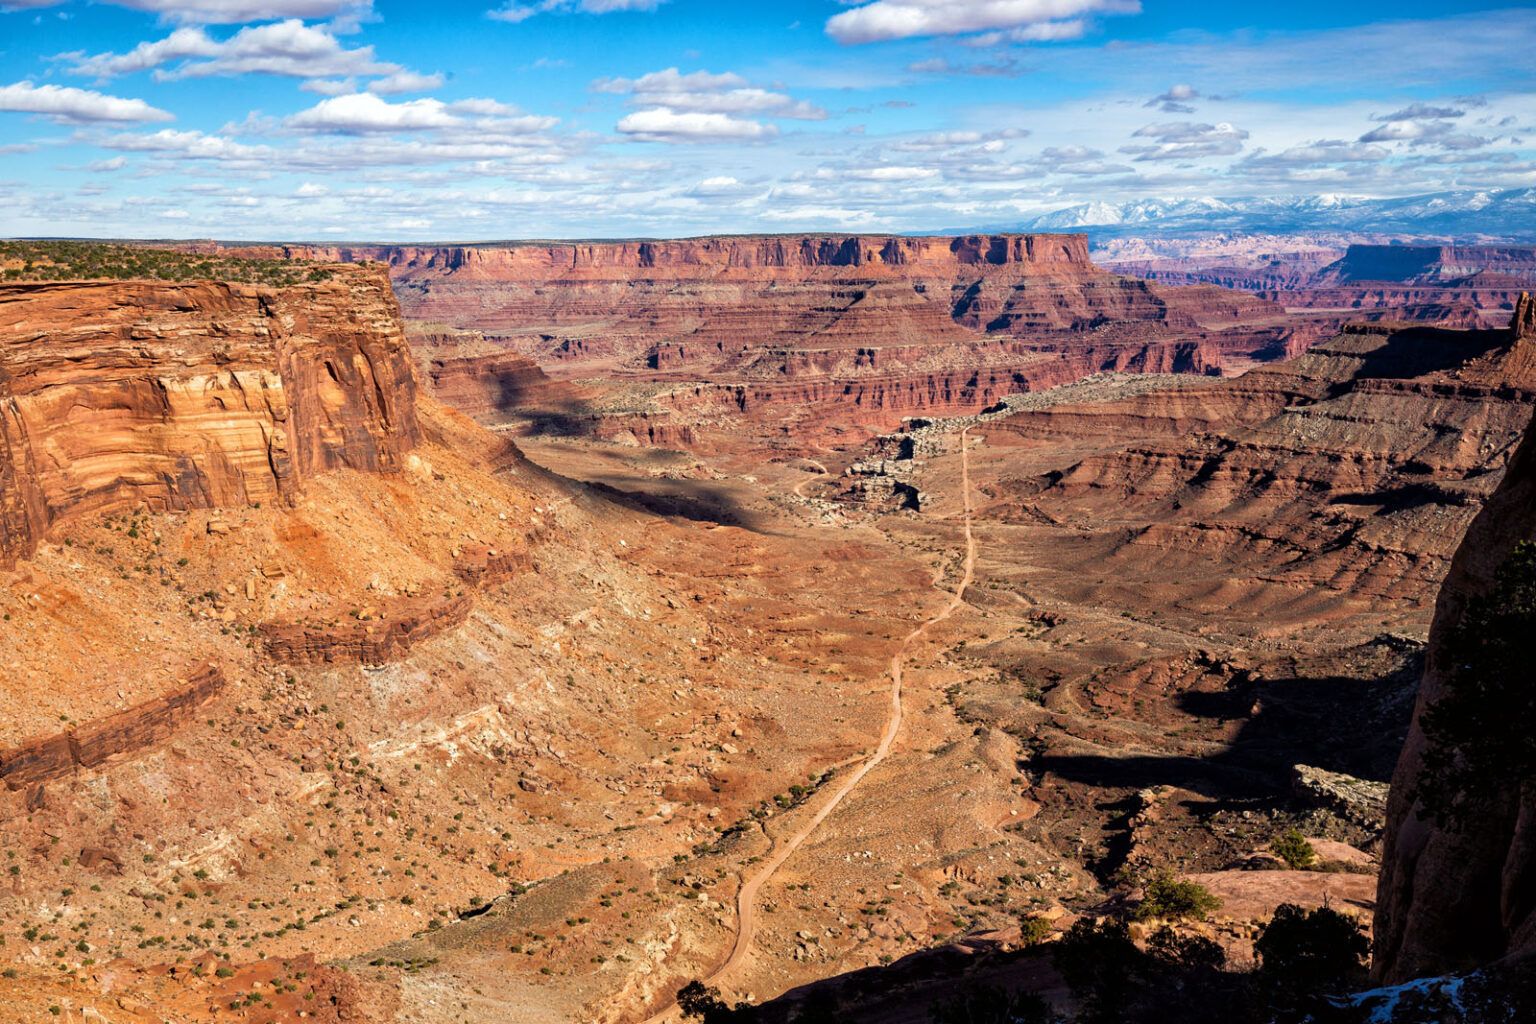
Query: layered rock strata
370 636
174 395
91 744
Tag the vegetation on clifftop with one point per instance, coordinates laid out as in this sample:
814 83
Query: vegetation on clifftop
92 261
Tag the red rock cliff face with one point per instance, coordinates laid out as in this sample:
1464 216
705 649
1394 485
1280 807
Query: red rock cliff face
192 395
597 301
1450 900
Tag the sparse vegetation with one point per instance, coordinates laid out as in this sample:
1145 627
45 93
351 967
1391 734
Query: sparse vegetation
1292 847
1173 899
90 261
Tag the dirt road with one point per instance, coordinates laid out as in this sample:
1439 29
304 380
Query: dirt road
746 897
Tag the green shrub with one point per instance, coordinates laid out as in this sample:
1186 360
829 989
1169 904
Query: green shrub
1033 930
1292 847
1168 897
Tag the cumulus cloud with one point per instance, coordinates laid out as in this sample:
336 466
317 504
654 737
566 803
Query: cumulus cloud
281 48
76 106
1022 20
708 93
406 81
1441 134
515 11
1185 140
225 11
364 113
191 145
664 125
1175 100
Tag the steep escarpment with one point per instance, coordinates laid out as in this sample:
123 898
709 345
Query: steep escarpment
192 395
1457 895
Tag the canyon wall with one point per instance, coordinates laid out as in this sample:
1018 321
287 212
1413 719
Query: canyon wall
767 334
1451 899
115 394
600 301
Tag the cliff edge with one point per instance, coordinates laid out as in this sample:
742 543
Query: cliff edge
1449 898
192 394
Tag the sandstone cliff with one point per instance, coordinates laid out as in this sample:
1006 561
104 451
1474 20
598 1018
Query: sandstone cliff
1453 899
192 395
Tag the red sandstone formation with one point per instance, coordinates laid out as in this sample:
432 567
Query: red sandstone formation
1451 899
192 395
370 636
1353 468
862 329
91 744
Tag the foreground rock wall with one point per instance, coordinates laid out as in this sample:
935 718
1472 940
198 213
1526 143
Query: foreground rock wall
192 395
1454 899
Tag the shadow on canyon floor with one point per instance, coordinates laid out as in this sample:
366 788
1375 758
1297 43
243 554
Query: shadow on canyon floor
1337 721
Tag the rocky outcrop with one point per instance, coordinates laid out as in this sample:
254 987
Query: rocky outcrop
486 566
1361 801
192 395
87 746
1452 898
369 636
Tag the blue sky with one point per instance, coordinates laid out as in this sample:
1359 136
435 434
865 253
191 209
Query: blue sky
346 120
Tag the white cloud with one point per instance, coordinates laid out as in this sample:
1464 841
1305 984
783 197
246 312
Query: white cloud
1185 140
365 112
280 48
226 11
80 106
515 11
484 122
192 145
406 81
662 125
1025 20
708 93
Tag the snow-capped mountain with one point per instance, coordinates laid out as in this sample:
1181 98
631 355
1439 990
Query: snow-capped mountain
1504 214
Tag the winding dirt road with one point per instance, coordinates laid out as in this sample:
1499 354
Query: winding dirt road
746 897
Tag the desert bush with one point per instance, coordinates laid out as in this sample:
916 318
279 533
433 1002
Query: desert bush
1168 897
1292 847
1033 929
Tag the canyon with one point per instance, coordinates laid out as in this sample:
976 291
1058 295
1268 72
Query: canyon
548 624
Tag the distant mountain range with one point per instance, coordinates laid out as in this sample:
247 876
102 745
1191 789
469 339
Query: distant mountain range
1507 214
